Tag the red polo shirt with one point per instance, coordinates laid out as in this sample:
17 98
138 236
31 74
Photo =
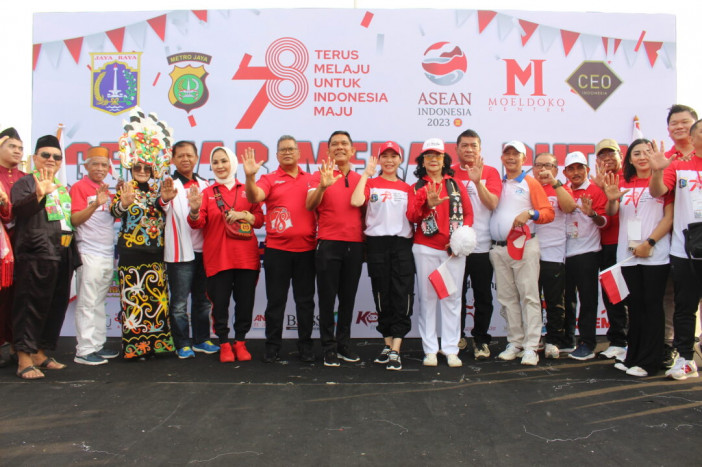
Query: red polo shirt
336 218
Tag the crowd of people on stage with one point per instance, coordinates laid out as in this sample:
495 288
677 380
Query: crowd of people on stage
183 239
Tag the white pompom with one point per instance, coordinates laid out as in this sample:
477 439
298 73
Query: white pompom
463 241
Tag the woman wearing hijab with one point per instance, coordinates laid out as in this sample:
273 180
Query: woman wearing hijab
230 250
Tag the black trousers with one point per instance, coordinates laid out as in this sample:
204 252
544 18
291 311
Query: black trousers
282 267
240 284
617 315
338 267
479 270
687 281
552 277
581 279
42 291
391 270
646 317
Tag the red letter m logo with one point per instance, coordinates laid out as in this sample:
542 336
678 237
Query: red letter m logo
515 72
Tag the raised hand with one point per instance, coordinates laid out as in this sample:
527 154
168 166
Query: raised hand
45 183
326 172
547 177
248 159
657 158
600 173
371 166
475 173
101 194
433 191
611 187
194 199
128 195
168 190
586 205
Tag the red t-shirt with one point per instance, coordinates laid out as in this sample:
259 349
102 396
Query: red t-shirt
336 218
289 225
220 252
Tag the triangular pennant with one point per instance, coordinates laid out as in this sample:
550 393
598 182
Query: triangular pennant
605 44
116 36
36 48
629 51
53 51
179 18
201 15
569 38
668 55
590 44
617 43
505 24
225 13
548 37
96 42
484 18
462 16
74 46
528 29
158 24
137 32
652 51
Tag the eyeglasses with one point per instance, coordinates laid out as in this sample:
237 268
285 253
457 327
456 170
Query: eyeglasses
141 168
433 155
286 150
547 165
607 155
48 155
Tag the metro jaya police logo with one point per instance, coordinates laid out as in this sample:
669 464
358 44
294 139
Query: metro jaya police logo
188 89
115 81
444 63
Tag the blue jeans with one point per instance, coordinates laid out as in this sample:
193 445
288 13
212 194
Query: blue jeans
188 278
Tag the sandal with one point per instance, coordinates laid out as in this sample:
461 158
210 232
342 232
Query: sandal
46 364
24 373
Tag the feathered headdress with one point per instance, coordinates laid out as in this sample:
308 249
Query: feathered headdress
146 139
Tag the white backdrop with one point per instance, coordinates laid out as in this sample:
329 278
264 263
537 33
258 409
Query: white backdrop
557 81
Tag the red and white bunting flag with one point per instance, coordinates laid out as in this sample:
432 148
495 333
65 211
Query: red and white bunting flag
442 281
613 282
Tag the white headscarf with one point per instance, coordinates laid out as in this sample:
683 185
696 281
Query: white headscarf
231 178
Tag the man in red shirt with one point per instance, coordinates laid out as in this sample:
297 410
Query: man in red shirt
339 256
484 187
290 244
10 157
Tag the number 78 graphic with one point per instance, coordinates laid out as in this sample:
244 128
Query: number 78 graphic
276 73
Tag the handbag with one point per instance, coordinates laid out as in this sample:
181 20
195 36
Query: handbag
239 230
693 240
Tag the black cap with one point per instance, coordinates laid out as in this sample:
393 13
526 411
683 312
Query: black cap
10 133
47 141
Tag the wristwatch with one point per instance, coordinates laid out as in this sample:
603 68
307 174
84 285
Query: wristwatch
651 241
594 214
531 213
558 184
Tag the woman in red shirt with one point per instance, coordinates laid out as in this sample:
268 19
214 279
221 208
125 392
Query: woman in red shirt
232 263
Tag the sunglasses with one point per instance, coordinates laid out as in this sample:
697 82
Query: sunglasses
47 155
141 168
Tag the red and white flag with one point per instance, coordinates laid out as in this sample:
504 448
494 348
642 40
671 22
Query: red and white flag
613 282
636 133
442 281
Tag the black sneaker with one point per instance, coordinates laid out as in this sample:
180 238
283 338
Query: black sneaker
394 362
306 355
382 357
331 359
270 356
348 355
670 355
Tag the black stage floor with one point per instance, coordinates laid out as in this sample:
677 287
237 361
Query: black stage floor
165 411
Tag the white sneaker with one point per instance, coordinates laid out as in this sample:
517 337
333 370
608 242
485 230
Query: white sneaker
481 351
679 363
453 360
551 351
429 360
621 367
636 371
614 352
510 353
530 358
688 369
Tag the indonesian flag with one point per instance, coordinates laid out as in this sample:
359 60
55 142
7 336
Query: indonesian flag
442 281
613 282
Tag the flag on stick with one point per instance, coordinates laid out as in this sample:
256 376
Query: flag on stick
613 282
442 281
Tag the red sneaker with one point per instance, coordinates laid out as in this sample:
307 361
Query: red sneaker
242 354
226 355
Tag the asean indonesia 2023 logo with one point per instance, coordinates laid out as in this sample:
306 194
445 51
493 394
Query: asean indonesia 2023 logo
444 63
115 81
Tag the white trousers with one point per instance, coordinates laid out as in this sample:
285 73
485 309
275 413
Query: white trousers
426 260
517 285
93 281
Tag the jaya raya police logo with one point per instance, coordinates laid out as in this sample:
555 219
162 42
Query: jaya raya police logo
444 63
188 89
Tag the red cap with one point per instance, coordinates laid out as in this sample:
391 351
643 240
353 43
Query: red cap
389 145
516 241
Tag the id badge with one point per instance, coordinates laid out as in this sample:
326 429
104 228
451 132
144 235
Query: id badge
633 230
572 230
697 206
